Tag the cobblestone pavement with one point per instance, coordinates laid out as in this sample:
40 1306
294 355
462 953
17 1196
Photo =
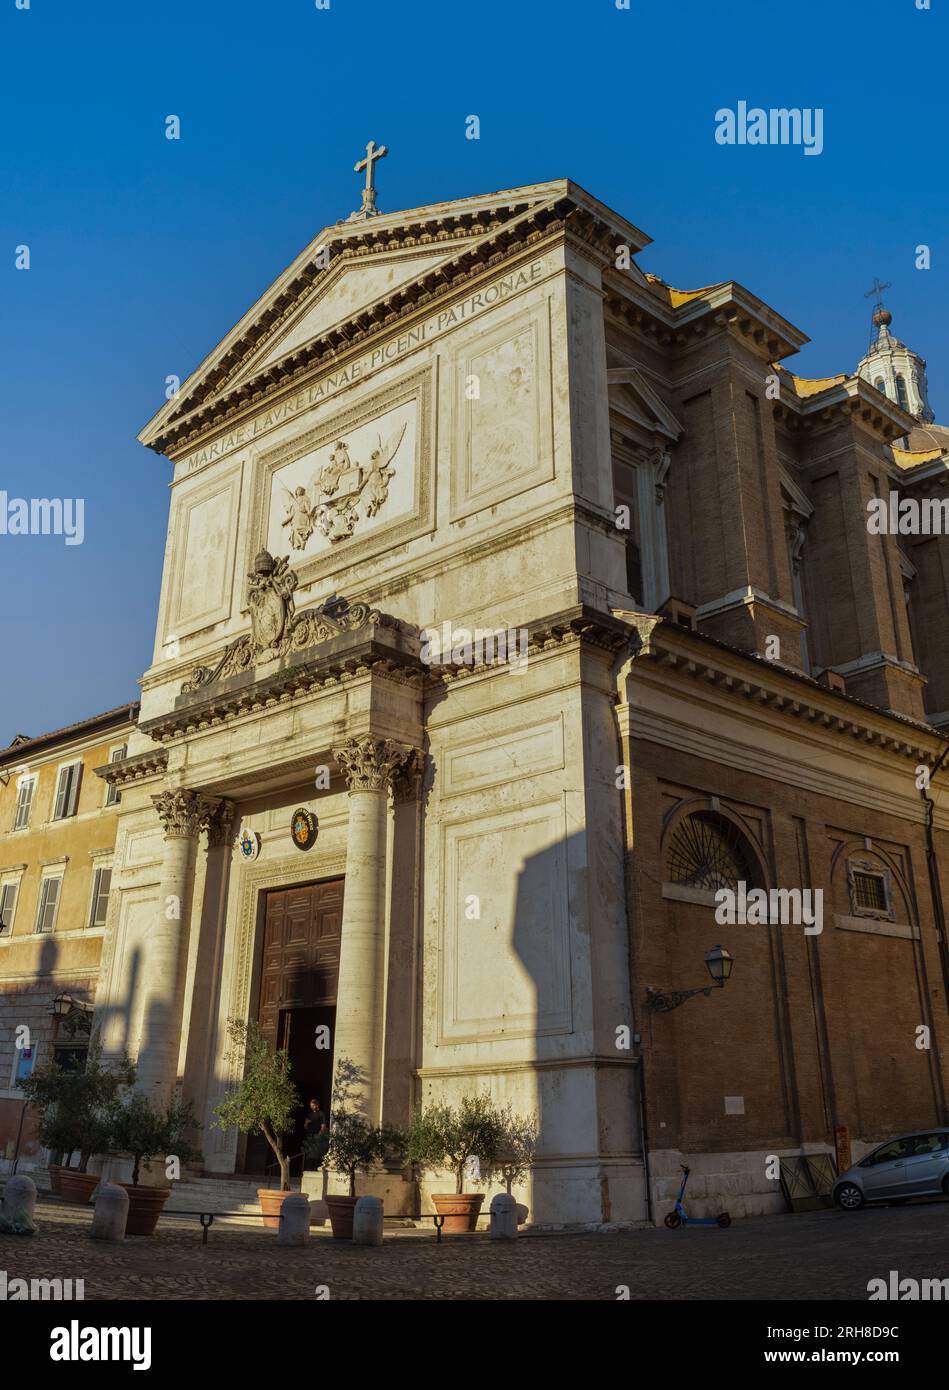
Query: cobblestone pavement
818 1255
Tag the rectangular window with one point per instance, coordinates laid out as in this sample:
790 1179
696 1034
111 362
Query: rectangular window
49 902
7 908
24 803
869 892
113 796
67 791
101 884
24 1060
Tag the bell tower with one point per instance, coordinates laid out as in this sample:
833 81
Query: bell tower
892 367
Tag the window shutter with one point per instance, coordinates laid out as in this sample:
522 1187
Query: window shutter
41 914
74 781
24 803
48 903
114 796
7 907
100 897
62 792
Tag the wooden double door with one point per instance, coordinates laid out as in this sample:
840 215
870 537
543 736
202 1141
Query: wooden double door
296 1010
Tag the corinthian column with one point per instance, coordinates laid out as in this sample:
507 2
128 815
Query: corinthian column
369 765
182 813
203 976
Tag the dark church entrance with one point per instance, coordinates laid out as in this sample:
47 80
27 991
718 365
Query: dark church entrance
296 1008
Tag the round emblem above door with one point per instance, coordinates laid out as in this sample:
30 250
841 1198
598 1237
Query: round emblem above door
304 828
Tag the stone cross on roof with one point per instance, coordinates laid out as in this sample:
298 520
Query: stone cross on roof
373 152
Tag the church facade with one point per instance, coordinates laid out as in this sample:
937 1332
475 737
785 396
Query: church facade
515 605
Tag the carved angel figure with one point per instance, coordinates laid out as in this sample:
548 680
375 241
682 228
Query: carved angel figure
376 488
338 465
299 518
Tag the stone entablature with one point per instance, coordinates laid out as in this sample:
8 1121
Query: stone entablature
781 689
136 768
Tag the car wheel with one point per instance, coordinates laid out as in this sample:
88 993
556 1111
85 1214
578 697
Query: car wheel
945 1185
849 1197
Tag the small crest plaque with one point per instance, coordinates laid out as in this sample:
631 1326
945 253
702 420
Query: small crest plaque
304 828
249 844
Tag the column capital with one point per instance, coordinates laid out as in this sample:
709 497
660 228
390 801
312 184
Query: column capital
408 779
371 764
183 812
220 825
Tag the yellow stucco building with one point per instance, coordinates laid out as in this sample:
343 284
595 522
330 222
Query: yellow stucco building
57 835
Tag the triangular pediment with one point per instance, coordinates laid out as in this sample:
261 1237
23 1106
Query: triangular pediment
359 275
632 397
350 285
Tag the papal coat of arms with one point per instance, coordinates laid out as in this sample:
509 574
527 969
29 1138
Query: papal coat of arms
249 844
270 599
343 492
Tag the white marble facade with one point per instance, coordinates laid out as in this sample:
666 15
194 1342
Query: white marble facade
419 424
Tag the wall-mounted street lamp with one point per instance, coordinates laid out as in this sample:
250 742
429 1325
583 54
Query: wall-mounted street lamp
63 1005
719 963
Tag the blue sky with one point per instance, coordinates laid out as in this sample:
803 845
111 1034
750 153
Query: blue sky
145 251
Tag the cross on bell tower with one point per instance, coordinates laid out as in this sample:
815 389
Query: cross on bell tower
373 152
876 289
881 318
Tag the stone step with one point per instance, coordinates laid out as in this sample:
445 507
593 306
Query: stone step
215 1195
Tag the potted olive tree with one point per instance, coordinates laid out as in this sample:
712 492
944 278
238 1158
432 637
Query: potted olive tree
355 1146
447 1136
352 1145
144 1131
76 1112
515 1156
262 1103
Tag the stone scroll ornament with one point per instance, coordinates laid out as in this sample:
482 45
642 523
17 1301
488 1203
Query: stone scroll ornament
276 630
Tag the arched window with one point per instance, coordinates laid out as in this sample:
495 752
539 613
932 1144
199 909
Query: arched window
901 395
880 385
708 851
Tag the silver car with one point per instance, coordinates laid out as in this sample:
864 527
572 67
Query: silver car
914 1165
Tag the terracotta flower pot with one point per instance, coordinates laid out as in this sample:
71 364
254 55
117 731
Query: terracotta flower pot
145 1207
75 1186
341 1210
271 1199
460 1210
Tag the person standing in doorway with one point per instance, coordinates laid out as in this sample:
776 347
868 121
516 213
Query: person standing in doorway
315 1133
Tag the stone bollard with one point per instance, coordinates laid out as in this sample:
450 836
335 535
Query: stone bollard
19 1203
294 1220
503 1217
367 1221
111 1212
